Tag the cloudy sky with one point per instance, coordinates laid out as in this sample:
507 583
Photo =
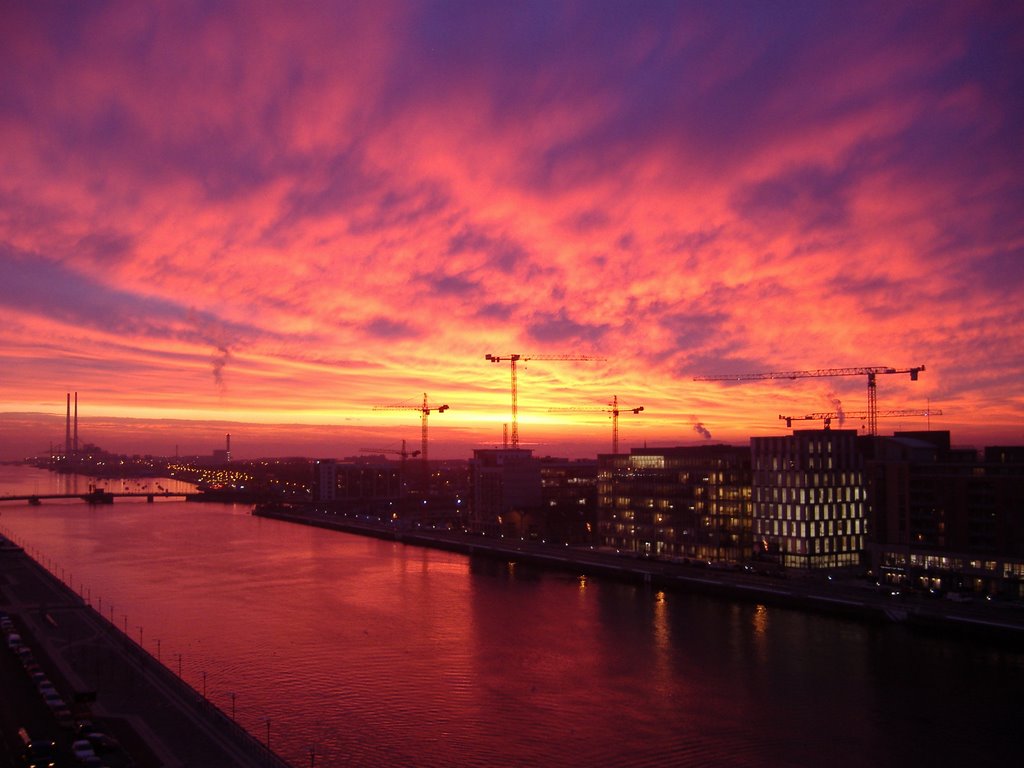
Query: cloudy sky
234 215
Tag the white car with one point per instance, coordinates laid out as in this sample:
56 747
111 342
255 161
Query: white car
82 750
54 701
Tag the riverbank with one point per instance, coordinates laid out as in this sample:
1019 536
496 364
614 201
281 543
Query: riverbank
840 595
160 720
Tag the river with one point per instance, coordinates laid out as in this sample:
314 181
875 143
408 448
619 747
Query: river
353 651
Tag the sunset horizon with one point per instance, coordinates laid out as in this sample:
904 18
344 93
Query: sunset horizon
277 220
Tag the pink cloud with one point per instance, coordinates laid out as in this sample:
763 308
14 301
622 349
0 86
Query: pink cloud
311 211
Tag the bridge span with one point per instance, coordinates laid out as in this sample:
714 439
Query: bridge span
97 496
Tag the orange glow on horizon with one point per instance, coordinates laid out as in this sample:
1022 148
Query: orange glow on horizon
338 211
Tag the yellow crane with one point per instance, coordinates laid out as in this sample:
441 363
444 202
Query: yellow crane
425 410
515 358
403 454
827 417
612 408
872 372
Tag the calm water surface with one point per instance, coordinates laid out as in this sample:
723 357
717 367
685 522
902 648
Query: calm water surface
373 653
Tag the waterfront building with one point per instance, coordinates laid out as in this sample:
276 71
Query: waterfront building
506 488
945 519
364 483
809 499
676 503
569 500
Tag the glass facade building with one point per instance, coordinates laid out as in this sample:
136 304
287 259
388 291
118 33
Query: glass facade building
809 500
686 503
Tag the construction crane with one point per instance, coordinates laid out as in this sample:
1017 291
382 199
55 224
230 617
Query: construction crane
612 408
512 360
827 417
870 371
404 454
424 410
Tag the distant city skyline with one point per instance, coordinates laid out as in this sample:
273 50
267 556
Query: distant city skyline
262 215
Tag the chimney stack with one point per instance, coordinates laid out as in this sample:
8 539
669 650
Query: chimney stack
76 423
67 429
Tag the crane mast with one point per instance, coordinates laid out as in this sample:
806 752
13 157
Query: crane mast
424 411
613 409
872 372
513 359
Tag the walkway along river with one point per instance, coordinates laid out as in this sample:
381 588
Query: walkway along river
351 650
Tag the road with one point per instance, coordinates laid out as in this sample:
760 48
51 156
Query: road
159 719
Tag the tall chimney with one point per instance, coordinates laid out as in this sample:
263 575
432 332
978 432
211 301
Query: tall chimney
228 454
67 429
76 423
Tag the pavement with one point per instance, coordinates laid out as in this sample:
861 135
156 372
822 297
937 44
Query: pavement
160 721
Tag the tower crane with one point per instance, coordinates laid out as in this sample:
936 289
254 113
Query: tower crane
424 410
871 372
612 408
827 417
404 454
512 359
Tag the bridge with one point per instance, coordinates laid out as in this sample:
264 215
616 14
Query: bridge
97 496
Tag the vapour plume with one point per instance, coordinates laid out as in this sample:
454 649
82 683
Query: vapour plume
220 359
700 429
212 332
837 407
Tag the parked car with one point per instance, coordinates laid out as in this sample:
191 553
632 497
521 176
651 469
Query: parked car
54 701
82 749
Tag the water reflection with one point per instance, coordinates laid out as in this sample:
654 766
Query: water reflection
379 653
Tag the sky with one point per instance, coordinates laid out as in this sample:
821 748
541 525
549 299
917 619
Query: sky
270 218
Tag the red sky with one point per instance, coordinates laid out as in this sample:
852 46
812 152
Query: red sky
225 216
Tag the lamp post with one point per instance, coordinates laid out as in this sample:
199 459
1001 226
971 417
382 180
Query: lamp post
232 695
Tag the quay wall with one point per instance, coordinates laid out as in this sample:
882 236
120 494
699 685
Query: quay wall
174 724
838 595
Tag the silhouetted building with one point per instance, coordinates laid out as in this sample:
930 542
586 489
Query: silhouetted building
676 503
569 500
506 486
346 483
809 499
945 520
